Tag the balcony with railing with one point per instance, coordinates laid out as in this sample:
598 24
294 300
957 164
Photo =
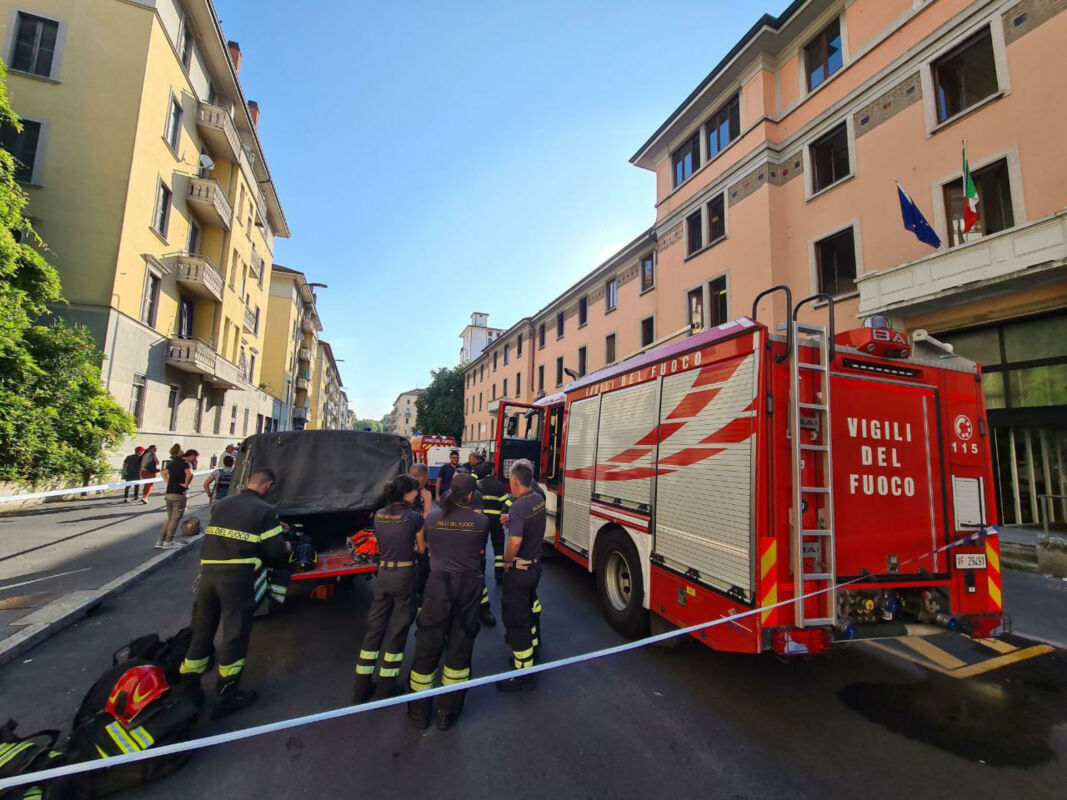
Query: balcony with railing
304 354
251 320
199 276
200 357
302 384
208 202
257 265
218 131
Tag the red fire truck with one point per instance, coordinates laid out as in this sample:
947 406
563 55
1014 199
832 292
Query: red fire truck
846 475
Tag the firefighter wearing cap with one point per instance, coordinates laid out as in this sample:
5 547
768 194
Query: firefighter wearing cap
522 572
243 537
494 495
456 536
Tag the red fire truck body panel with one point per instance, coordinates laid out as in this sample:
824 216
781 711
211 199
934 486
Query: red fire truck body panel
688 450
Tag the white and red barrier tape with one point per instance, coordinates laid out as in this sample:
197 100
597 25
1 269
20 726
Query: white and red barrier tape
323 716
98 487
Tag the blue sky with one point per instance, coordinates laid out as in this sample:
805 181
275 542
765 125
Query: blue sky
435 159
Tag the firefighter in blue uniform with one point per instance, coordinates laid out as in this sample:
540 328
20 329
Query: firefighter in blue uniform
456 537
398 529
494 495
242 539
522 572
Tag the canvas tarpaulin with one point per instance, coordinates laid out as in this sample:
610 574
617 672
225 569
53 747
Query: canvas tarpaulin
325 472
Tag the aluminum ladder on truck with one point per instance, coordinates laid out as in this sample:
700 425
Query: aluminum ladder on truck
813 544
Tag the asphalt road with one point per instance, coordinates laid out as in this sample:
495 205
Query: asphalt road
678 723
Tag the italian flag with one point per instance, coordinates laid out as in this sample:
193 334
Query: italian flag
970 196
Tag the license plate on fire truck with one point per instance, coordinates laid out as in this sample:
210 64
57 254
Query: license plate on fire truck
970 561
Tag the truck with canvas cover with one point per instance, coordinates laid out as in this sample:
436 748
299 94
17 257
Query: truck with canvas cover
329 484
837 487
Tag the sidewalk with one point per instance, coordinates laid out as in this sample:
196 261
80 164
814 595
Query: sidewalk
59 562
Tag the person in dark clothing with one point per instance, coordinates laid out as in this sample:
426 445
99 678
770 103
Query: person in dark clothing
131 471
494 495
242 539
398 529
423 504
522 573
217 485
448 623
149 469
179 474
445 475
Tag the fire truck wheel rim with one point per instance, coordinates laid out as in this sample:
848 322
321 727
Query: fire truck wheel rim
617 581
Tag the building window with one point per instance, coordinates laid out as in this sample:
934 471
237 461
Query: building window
233 420
518 384
686 159
724 126
173 401
23 148
611 294
504 393
716 218
494 361
507 353
35 45
829 158
648 331
717 306
559 325
583 311
494 392
541 378
835 262
965 76
648 273
518 346
696 311
995 211
244 427
694 236
559 371
185 47
174 124
823 56
541 336
150 301
609 349
479 401
192 244
582 361
137 399
161 215
218 419
481 371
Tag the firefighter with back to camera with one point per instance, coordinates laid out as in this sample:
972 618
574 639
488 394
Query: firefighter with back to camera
494 495
522 573
242 539
448 623
398 529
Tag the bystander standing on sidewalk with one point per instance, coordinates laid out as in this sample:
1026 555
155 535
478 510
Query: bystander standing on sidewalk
149 469
220 479
131 471
179 476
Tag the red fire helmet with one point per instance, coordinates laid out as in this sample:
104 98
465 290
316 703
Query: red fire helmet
136 690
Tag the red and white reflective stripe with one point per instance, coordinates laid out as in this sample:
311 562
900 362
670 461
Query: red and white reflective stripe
612 514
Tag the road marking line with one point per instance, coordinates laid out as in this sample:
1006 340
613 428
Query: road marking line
998 645
934 653
1001 661
45 578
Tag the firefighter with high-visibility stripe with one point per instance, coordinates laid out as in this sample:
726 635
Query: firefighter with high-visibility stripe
535 605
494 494
522 572
398 529
242 539
456 536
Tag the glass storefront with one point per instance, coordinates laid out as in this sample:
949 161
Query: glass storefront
1024 365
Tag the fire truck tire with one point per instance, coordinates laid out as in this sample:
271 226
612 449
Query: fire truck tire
620 584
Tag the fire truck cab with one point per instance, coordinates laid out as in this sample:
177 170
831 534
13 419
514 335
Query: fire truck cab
839 486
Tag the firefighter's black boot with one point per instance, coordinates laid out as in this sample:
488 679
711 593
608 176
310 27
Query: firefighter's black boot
363 688
485 616
231 698
385 688
520 683
191 688
419 713
446 719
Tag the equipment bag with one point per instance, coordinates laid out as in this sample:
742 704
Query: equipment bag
167 720
21 755
167 654
192 527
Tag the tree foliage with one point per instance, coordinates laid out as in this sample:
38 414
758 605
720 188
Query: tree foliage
373 424
439 410
57 420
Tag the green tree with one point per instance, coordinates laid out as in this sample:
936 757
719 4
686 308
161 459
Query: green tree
439 410
374 424
57 419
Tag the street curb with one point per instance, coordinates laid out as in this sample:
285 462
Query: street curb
34 633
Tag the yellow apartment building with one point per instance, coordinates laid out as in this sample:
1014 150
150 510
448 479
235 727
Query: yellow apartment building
403 415
291 344
780 168
326 410
150 187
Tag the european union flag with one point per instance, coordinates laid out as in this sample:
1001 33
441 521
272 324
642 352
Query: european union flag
914 220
